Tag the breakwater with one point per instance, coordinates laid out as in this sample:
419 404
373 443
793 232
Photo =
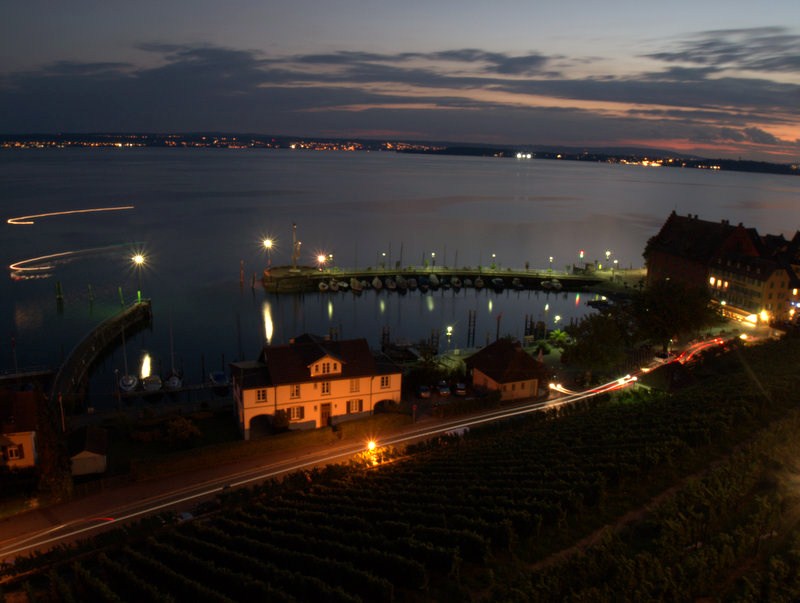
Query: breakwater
71 379
307 278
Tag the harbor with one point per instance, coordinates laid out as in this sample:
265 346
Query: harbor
300 279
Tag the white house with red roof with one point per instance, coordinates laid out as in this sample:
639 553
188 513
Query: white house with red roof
315 381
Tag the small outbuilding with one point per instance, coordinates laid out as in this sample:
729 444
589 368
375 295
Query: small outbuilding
505 367
88 449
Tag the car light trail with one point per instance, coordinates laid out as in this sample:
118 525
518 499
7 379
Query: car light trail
30 219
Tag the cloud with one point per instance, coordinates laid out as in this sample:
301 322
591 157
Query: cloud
766 49
462 94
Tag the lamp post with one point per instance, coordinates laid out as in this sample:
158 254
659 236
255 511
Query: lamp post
433 258
449 332
321 261
138 262
268 246
551 264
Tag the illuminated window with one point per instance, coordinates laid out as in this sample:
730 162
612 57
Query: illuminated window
385 381
297 413
14 453
294 391
261 395
326 388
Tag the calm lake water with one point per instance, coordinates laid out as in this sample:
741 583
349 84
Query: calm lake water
200 215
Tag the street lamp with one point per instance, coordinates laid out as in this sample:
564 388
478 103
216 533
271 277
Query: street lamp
321 261
433 258
138 262
268 246
494 257
551 263
449 332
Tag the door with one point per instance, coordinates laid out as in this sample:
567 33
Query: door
325 414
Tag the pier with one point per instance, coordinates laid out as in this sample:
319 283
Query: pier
70 381
285 279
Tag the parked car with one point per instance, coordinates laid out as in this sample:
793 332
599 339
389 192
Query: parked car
461 389
423 391
443 390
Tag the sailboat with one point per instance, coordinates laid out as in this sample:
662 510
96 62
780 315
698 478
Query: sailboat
127 382
174 381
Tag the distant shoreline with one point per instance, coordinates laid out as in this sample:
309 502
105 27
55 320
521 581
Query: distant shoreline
643 157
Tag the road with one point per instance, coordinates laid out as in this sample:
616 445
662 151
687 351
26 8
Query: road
45 528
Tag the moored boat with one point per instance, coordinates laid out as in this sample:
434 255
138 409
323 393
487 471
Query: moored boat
151 383
355 285
455 282
323 286
478 282
377 283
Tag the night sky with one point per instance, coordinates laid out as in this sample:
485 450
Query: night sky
714 78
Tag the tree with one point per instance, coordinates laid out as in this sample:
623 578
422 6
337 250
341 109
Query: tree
558 338
598 344
668 309
182 432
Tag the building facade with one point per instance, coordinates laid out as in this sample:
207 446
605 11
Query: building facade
18 427
312 382
505 367
749 277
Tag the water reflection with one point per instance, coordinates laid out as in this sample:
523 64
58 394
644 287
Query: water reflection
269 327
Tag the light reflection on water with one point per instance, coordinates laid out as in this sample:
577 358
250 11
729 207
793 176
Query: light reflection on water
199 215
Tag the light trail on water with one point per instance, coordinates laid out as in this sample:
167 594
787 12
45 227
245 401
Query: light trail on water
22 220
48 262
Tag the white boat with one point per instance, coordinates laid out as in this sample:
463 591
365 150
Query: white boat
175 380
151 383
433 281
218 378
377 283
127 382
553 284
355 285
390 283
333 285
323 286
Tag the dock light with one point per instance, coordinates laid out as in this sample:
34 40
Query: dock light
267 243
138 261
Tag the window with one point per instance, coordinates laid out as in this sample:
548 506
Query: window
354 406
261 395
326 388
294 391
522 385
385 381
326 368
296 413
355 386
14 453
